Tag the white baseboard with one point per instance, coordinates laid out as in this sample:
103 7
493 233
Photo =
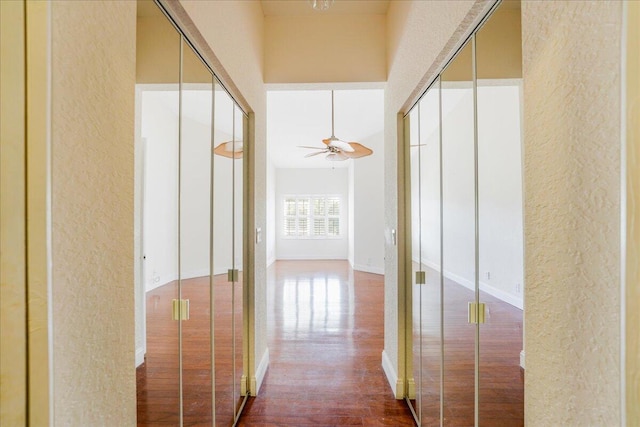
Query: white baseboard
261 371
151 286
140 352
196 273
270 261
502 295
188 275
368 269
484 287
310 257
522 359
397 384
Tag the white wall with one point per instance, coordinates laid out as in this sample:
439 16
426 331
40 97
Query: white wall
227 179
499 188
310 182
368 206
270 231
351 242
195 180
159 128
500 191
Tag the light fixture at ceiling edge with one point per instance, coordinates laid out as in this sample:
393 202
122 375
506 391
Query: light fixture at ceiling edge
320 5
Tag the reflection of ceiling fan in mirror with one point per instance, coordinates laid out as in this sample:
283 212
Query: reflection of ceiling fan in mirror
336 149
229 149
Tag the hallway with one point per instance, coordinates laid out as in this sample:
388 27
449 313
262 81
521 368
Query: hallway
325 340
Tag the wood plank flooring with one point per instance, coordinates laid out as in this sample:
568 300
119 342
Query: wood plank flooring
326 325
501 380
158 400
325 340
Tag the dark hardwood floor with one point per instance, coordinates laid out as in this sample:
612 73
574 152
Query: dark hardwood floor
326 325
501 380
158 400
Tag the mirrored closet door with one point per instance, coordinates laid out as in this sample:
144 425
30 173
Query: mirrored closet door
498 62
195 255
228 144
463 145
426 290
189 192
157 169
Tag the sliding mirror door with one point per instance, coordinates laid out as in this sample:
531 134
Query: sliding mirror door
499 84
195 238
157 171
459 243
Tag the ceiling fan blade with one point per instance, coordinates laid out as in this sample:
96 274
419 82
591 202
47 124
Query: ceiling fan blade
313 148
336 157
359 150
315 154
227 149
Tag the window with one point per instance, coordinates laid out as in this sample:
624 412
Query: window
312 217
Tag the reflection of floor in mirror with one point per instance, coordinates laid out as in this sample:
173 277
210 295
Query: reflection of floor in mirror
326 326
501 381
157 378
325 340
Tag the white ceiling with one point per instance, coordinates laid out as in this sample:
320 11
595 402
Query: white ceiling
304 118
339 7
294 117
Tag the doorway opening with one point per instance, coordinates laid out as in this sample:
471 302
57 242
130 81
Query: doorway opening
325 251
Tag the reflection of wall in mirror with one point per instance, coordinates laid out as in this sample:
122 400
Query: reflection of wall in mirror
500 193
159 126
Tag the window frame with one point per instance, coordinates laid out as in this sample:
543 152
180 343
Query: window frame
311 216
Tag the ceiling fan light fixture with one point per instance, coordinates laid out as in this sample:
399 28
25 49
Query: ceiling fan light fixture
335 142
320 5
337 149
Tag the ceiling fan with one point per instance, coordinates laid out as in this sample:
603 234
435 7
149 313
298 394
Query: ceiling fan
337 149
230 149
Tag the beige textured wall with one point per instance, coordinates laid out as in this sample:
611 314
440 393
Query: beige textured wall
571 68
92 115
420 35
240 58
13 266
325 48
633 217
